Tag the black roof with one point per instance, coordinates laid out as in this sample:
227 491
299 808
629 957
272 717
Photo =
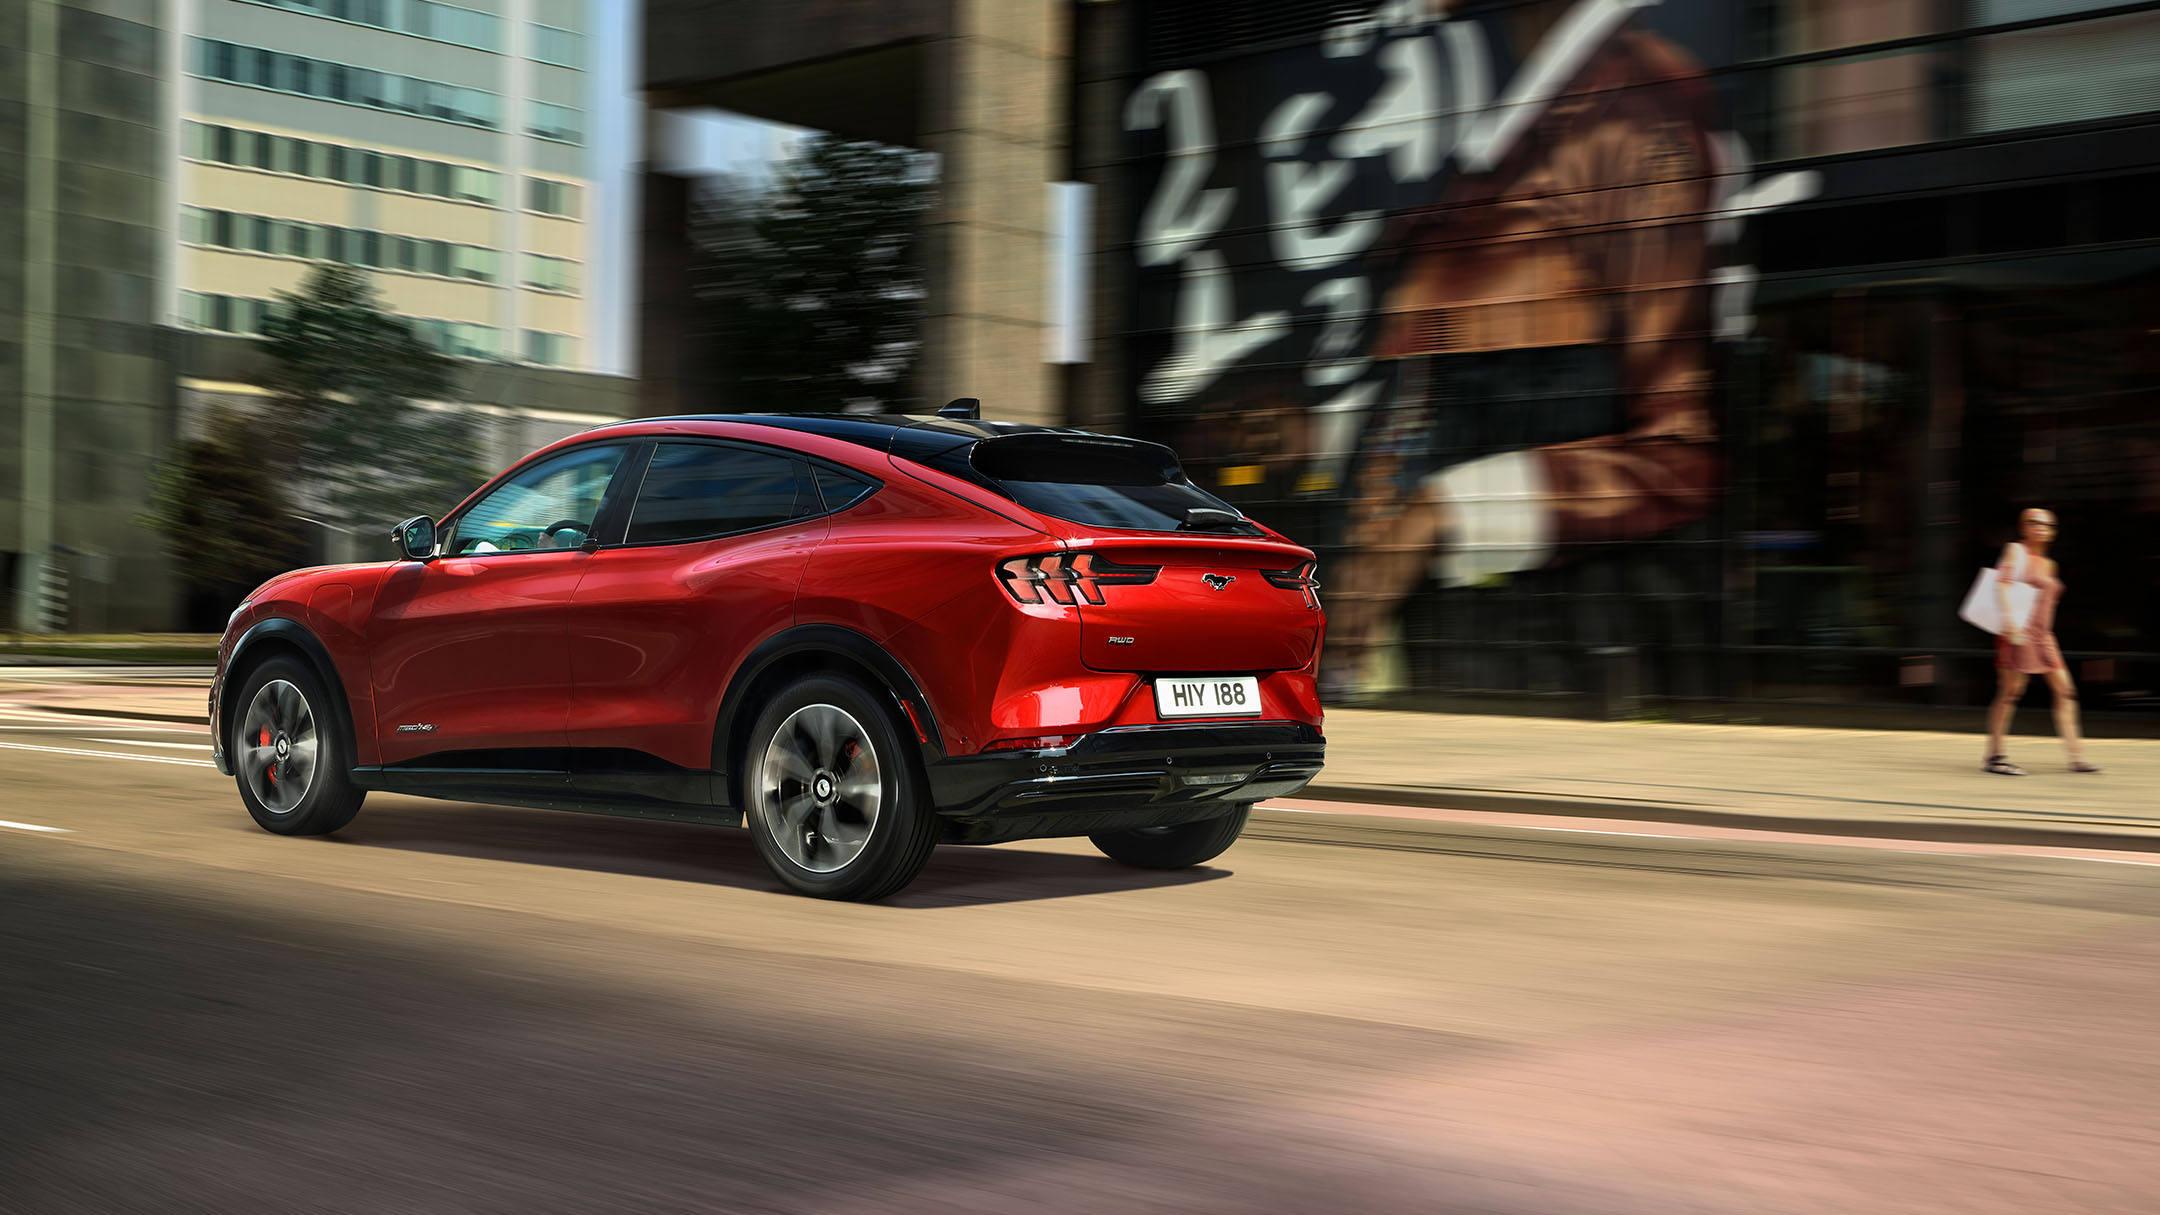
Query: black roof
921 438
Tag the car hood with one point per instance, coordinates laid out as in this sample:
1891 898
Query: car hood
315 575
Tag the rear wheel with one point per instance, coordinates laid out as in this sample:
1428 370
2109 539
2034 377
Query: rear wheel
1175 847
835 804
287 754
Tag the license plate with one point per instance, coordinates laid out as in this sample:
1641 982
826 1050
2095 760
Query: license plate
1235 696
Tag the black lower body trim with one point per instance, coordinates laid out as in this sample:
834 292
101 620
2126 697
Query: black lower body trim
1139 776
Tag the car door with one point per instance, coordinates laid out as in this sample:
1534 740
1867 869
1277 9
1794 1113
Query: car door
470 650
717 538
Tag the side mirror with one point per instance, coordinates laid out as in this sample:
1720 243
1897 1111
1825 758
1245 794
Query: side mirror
415 539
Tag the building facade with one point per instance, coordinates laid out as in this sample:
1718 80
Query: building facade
1688 349
446 147
84 380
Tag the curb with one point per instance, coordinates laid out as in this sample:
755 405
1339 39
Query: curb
2125 838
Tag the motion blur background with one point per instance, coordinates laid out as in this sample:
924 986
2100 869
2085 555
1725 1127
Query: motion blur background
1739 331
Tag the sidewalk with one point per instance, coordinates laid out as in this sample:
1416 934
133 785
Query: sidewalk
1914 784
1891 783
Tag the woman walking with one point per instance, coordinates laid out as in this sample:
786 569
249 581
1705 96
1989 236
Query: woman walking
2029 649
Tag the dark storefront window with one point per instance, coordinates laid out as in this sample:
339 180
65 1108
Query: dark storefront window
1726 376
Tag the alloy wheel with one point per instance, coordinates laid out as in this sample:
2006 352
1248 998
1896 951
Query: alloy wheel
819 788
276 746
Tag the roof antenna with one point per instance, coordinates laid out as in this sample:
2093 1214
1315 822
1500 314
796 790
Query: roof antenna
962 407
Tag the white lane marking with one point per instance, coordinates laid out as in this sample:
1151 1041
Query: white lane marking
147 759
33 827
110 729
150 742
87 722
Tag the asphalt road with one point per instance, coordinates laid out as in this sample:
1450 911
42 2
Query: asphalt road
464 1009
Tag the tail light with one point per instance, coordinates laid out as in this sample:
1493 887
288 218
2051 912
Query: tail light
1069 578
1299 579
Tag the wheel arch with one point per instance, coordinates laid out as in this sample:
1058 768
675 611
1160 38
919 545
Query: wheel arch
806 650
271 638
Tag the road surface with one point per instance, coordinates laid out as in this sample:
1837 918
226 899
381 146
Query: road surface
465 1009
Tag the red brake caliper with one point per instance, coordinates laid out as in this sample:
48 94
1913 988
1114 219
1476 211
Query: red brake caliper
271 768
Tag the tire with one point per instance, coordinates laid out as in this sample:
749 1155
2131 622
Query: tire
807 797
285 702
1177 847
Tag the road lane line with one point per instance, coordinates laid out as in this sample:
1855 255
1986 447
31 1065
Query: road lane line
79 727
33 827
148 759
151 742
84 721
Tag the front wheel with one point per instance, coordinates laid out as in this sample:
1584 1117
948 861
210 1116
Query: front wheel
837 808
287 753
1176 847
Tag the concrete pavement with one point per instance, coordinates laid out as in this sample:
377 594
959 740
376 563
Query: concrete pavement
462 1009
1892 783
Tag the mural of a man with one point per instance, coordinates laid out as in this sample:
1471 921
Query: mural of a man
1550 323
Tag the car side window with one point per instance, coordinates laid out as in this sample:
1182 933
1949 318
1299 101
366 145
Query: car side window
840 490
695 490
551 505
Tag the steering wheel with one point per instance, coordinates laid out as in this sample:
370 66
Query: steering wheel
564 525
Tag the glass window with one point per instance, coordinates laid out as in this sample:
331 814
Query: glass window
1799 26
564 48
548 349
408 175
2065 73
565 124
1852 104
1092 481
550 273
522 513
840 490
551 197
694 490
221 228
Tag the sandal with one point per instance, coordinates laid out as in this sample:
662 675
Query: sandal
2000 765
2079 765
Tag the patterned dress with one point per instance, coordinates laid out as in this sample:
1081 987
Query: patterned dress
2039 654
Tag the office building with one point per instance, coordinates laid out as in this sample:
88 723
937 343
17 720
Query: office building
446 147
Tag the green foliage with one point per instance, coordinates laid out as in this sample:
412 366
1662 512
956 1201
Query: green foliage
344 417
219 506
812 292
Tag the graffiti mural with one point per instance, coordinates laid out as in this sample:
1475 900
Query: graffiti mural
1441 286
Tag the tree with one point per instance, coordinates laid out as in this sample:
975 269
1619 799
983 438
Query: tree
222 513
344 418
812 290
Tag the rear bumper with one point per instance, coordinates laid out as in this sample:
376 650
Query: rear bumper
1135 776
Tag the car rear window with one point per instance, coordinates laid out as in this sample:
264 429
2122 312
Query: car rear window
1101 481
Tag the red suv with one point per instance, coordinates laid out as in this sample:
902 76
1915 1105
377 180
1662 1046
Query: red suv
861 636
